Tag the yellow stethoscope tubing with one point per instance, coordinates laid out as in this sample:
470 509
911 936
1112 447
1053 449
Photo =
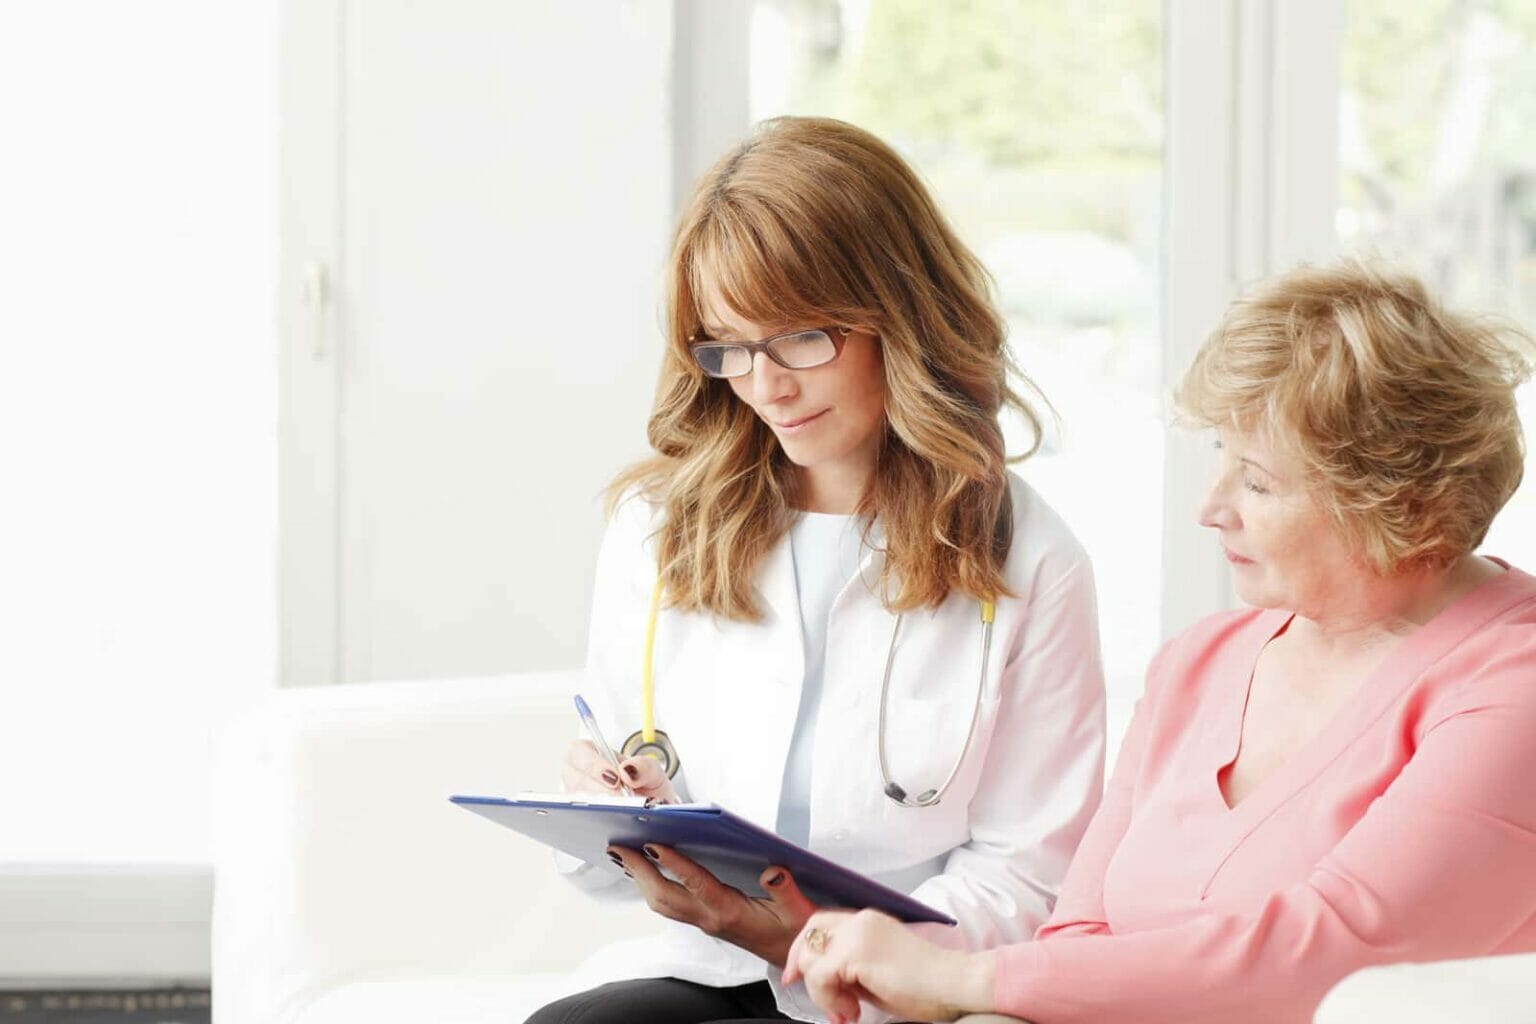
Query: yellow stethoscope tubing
647 681
894 791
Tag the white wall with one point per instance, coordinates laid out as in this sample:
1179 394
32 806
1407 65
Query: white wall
138 528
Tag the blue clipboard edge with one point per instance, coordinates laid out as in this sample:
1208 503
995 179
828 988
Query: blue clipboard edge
889 900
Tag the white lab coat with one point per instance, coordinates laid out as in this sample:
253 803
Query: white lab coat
991 853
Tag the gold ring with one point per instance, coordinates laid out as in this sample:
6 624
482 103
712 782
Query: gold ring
816 940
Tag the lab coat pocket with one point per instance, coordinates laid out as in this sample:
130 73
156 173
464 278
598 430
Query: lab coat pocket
925 738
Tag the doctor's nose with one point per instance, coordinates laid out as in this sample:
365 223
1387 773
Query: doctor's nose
770 381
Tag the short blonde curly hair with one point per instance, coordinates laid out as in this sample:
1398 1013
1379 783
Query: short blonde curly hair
1403 412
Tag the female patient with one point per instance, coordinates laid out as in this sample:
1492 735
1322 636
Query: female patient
1336 778
869 635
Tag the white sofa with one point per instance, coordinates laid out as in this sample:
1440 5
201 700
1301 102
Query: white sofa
349 891
347 887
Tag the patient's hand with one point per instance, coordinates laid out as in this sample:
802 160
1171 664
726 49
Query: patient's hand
585 771
762 926
845 957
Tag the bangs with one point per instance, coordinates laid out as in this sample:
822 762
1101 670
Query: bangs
754 267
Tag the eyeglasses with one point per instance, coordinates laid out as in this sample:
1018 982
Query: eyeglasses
794 350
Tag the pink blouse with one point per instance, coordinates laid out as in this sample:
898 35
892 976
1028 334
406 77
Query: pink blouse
1404 830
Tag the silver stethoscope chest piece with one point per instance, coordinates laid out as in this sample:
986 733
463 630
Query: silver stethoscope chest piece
660 749
926 798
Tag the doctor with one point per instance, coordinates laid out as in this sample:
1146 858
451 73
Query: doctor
824 602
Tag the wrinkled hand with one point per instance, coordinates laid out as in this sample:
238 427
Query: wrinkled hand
585 771
764 927
876 958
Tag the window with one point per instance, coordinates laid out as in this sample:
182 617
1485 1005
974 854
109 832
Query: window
1435 155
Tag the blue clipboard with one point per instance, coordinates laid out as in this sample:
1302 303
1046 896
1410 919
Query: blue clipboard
733 849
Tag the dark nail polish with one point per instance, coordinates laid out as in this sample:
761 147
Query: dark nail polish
632 772
650 851
778 876
610 778
616 858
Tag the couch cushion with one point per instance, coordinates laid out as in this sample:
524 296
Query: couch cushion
1488 990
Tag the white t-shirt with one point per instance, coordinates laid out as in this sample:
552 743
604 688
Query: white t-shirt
826 551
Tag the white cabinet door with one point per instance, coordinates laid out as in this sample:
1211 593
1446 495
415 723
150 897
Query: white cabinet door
488 189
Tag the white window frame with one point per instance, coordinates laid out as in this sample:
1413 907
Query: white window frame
1251 175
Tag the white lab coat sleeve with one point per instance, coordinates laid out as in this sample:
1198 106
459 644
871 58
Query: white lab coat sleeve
1043 774
621 597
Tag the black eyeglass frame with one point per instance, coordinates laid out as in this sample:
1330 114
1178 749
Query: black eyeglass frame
836 335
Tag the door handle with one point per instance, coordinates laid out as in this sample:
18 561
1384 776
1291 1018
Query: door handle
315 295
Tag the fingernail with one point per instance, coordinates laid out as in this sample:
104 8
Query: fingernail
616 858
632 772
610 778
778 876
651 852
627 874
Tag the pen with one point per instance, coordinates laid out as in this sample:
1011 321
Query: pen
601 744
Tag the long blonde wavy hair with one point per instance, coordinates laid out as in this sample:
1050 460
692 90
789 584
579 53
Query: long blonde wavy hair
815 221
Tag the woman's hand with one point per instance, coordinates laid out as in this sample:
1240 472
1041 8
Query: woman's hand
586 771
763 927
845 957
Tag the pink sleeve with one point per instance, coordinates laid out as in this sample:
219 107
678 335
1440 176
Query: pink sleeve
1442 865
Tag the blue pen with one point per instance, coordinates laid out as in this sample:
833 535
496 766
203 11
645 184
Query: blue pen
601 744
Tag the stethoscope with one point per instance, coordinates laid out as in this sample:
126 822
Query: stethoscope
652 742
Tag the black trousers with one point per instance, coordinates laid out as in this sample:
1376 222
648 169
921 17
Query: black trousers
663 1001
